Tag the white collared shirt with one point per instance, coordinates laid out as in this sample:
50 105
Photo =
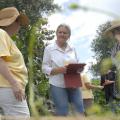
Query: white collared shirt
55 57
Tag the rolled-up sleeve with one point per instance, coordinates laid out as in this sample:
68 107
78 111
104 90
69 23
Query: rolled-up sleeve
46 64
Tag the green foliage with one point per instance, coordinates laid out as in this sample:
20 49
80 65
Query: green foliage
99 97
101 46
100 104
106 64
38 84
35 9
73 6
95 109
95 68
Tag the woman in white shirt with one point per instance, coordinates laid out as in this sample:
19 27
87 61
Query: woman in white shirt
56 55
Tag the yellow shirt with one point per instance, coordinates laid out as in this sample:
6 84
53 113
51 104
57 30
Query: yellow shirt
86 93
14 60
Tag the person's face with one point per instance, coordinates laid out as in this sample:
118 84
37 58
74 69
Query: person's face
13 28
62 34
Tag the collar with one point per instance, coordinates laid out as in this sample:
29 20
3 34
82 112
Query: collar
56 47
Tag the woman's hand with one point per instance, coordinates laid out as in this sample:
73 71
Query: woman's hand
108 82
59 70
18 91
100 87
62 69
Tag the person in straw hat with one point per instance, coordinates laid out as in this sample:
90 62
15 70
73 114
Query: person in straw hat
13 72
114 32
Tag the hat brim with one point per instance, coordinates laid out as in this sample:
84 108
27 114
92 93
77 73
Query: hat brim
108 32
7 21
23 19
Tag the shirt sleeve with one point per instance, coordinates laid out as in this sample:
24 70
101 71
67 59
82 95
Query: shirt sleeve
86 79
4 44
46 64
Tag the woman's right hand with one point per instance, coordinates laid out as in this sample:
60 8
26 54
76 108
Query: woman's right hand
18 91
62 69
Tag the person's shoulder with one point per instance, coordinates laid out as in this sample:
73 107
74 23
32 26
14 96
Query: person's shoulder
84 75
2 31
50 46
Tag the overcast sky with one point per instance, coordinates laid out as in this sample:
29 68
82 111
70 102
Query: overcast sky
84 23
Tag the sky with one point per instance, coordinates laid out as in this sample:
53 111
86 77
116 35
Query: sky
84 23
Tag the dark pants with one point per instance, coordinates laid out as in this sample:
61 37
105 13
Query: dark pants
109 93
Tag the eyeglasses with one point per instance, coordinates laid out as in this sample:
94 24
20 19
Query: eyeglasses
116 30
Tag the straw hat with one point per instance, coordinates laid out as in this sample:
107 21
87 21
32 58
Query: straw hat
10 14
114 24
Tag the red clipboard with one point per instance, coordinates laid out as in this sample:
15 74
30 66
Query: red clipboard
72 77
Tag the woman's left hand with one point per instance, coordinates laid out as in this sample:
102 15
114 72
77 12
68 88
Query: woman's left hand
62 69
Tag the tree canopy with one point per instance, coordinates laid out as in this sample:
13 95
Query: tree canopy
101 46
35 9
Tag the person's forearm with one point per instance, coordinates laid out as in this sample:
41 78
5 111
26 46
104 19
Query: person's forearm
54 71
91 86
58 70
107 82
16 86
5 72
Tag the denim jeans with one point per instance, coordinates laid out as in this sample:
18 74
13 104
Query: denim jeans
63 96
